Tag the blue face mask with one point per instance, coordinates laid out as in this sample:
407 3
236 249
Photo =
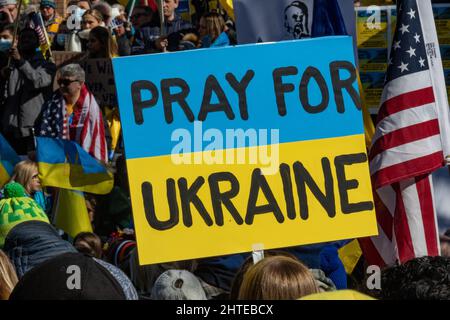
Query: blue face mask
5 44
61 39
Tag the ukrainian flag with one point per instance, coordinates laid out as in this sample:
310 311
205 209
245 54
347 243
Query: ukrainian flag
8 159
64 164
71 213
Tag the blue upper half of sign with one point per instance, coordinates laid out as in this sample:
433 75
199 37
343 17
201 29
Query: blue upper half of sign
154 136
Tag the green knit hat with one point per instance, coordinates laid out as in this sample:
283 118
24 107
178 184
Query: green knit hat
16 207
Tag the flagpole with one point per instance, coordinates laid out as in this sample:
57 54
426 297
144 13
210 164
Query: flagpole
161 18
162 31
47 40
133 3
16 28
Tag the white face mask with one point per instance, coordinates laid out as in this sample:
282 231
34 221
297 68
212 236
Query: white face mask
5 44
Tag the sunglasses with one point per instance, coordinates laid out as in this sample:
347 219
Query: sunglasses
66 82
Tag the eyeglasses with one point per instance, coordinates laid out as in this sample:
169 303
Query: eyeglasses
66 82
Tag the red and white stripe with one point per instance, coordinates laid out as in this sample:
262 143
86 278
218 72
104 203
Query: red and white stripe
89 130
406 148
411 141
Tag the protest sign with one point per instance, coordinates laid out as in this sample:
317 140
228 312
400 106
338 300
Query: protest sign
374 27
268 20
62 57
375 30
100 81
266 147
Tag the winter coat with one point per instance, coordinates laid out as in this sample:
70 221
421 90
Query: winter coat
27 88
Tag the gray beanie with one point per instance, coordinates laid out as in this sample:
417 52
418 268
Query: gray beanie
178 285
7 2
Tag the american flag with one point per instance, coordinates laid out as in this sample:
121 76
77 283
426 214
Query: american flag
410 142
36 23
85 125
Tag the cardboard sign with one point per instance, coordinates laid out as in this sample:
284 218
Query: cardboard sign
100 81
98 74
256 144
375 27
62 57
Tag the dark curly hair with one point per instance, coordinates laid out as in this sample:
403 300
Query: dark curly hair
425 278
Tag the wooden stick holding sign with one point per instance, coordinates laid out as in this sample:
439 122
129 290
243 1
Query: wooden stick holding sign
258 252
162 32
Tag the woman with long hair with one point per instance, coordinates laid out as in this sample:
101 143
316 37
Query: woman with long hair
101 44
212 30
8 276
26 173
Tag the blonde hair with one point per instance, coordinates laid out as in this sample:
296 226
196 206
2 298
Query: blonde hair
23 173
277 278
94 13
214 24
8 276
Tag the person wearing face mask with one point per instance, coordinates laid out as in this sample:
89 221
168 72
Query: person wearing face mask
6 38
28 79
67 38
6 34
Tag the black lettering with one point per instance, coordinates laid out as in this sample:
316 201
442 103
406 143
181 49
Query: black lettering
281 88
344 185
285 172
180 97
309 73
212 85
241 88
347 84
259 182
102 66
218 198
138 103
188 196
149 206
303 178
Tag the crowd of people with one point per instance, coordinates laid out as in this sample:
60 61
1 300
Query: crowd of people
34 254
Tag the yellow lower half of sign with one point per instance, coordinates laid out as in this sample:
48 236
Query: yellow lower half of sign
309 192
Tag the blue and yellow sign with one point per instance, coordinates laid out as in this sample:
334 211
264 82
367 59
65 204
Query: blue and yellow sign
256 144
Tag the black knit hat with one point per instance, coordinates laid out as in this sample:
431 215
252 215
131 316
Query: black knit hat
70 276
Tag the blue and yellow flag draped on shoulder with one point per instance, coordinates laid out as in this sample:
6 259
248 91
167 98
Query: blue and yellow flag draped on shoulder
64 164
8 159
